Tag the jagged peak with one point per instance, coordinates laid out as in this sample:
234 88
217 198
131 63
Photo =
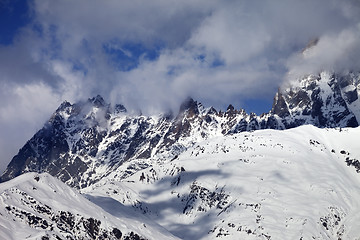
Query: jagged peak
279 107
298 106
230 108
211 110
190 106
189 103
253 115
63 111
65 104
242 111
119 108
97 101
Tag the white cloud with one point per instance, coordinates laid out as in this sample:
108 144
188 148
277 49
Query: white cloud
232 34
333 52
23 111
250 41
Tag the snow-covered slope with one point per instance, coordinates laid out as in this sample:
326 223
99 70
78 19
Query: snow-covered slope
301 183
86 141
39 206
200 174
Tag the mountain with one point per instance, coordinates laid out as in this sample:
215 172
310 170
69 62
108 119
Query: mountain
327 100
301 183
199 173
39 206
86 141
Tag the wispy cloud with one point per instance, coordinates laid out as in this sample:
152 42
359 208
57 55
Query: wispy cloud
333 52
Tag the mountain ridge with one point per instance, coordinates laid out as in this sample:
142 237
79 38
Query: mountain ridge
266 184
197 174
85 141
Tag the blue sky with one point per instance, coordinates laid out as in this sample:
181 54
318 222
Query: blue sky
13 15
151 55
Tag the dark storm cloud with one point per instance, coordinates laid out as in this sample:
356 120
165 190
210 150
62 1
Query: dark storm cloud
153 54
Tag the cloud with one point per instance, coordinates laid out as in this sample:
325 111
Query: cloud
129 20
333 52
150 55
23 111
180 73
239 51
229 49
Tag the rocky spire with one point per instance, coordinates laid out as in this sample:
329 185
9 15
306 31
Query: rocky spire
190 107
98 101
280 107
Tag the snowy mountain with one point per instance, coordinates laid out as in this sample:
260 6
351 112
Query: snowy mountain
39 206
200 173
302 183
86 141
327 100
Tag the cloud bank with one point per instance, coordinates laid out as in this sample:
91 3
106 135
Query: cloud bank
333 52
150 55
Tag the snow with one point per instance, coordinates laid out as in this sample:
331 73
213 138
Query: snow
301 183
293 175
27 194
252 185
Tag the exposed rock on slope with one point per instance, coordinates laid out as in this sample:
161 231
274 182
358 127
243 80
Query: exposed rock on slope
38 206
197 173
326 100
86 141
301 183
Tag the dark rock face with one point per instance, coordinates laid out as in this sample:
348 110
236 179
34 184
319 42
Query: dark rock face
323 101
86 141
202 199
51 141
280 107
117 233
190 107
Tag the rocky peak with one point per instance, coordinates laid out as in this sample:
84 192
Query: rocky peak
119 108
323 100
280 107
230 108
85 141
97 101
230 111
63 106
189 107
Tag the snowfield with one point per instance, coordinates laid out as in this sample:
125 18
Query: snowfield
267 184
302 183
39 206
